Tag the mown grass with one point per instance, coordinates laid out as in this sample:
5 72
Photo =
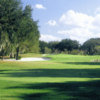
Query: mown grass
64 77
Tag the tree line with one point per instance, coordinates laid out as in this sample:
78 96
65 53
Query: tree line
18 31
68 46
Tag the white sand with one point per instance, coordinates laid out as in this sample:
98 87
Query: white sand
29 59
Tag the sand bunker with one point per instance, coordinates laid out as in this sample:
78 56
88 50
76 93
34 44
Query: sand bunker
29 59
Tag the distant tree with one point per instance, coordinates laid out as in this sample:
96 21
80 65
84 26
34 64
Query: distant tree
97 48
43 45
67 44
64 46
52 45
90 46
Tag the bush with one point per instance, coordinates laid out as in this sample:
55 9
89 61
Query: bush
56 51
75 52
47 50
65 51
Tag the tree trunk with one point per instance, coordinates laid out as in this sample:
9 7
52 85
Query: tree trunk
17 53
2 54
11 55
2 57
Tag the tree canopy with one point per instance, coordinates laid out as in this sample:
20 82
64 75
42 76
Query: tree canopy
62 46
18 31
91 46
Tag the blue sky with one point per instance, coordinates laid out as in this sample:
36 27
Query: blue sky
59 19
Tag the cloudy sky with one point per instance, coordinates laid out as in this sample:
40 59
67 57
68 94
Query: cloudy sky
60 19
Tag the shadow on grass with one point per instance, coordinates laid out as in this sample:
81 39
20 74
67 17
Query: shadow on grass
82 73
83 63
2 70
62 91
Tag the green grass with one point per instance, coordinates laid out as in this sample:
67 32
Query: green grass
64 77
31 55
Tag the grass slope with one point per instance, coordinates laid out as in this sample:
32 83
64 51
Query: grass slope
64 77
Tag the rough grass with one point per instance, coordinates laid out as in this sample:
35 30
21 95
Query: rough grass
64 77
31 55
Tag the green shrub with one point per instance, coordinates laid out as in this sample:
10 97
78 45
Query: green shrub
75 52
47 50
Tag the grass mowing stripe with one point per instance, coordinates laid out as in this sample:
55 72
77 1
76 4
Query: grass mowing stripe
64 77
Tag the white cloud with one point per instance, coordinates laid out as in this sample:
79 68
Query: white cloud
79 34
47 38
40 6
52 23
97 10
82 26
76 19
96 21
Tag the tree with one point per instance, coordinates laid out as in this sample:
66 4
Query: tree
52 45
43 45
17 27
97 48
67 44
7 18
90 46
27 32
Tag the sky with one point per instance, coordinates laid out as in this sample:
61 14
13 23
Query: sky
66 19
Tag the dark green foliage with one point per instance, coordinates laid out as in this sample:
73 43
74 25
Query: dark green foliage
67 44
90 46
43 45
64 46
97 48
53 46
17 28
